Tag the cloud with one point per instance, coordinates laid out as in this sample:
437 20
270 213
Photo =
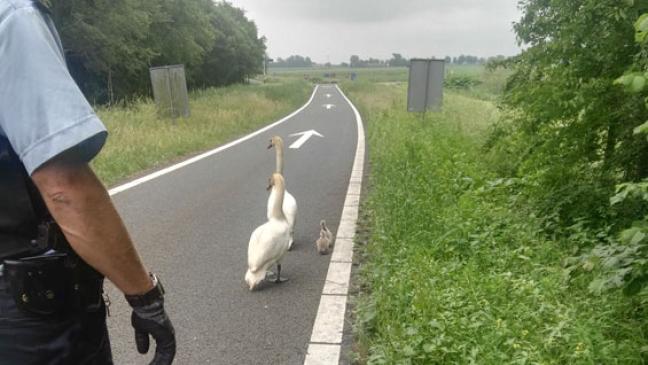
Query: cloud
348 11
354 11
335 29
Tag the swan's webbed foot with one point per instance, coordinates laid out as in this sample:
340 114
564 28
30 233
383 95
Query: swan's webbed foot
271 276
279 279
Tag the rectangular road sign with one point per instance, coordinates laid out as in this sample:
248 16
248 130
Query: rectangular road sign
170 91
425 88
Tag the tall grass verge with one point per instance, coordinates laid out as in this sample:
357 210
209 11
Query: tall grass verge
139 140
457 270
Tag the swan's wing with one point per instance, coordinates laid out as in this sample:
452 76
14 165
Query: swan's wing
278 235
255 248
268 244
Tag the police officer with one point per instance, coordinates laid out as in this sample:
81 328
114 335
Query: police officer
59 231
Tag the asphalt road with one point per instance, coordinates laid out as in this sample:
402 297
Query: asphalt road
192 227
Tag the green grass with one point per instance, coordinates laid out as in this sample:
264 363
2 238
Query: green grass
139 140
373 74
455 268
490 82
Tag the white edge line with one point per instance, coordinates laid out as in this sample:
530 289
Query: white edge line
166 170
332 357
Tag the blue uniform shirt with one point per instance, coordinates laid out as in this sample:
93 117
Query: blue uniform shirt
42 111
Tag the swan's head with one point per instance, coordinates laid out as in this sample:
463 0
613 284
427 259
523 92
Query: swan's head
323 224
275 179
275 141
253 279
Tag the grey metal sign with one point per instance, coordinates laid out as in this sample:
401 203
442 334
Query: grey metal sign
170 91
425 88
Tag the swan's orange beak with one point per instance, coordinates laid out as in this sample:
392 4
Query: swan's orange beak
270 145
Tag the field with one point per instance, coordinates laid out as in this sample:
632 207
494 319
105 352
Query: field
140 141
454 267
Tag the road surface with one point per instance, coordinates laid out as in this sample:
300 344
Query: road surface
192 227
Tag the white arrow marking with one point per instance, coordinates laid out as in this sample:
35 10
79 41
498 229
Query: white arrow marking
328 106
304 137
328 95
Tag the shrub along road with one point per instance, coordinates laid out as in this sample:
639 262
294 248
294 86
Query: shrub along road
192 227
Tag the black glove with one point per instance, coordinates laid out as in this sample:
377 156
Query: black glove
149 318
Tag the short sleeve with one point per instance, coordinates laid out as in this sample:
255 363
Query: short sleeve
42 111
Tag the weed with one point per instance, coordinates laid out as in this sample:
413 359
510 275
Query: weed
458 269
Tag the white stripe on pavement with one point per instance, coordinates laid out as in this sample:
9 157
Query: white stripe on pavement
321 354
184 163
326 339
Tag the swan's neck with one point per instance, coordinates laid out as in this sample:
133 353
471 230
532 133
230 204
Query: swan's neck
280 156
277 205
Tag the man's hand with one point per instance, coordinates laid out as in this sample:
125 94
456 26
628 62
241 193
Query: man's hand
152 320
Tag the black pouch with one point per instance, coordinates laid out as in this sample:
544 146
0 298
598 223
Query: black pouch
84 285
37 284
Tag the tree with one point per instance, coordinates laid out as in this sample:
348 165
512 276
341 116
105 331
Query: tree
110 44
354 61
572 129
626 259
237 51
105 43
294 61
181 33
397 60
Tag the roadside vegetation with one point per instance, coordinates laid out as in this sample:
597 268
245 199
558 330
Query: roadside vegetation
458 268
475 80
512 227
140 141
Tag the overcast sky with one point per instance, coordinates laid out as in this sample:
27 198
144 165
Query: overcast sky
333 30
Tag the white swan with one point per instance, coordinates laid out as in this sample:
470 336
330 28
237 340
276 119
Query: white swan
269 242
289 202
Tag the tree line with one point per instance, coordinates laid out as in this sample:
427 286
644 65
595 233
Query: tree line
397 60
110 44
573 143
293 61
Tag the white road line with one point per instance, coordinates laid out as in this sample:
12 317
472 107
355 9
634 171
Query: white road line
337 279
329 322
326 339
164 171
343 250
321 354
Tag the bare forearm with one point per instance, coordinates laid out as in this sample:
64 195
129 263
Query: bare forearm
81 206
